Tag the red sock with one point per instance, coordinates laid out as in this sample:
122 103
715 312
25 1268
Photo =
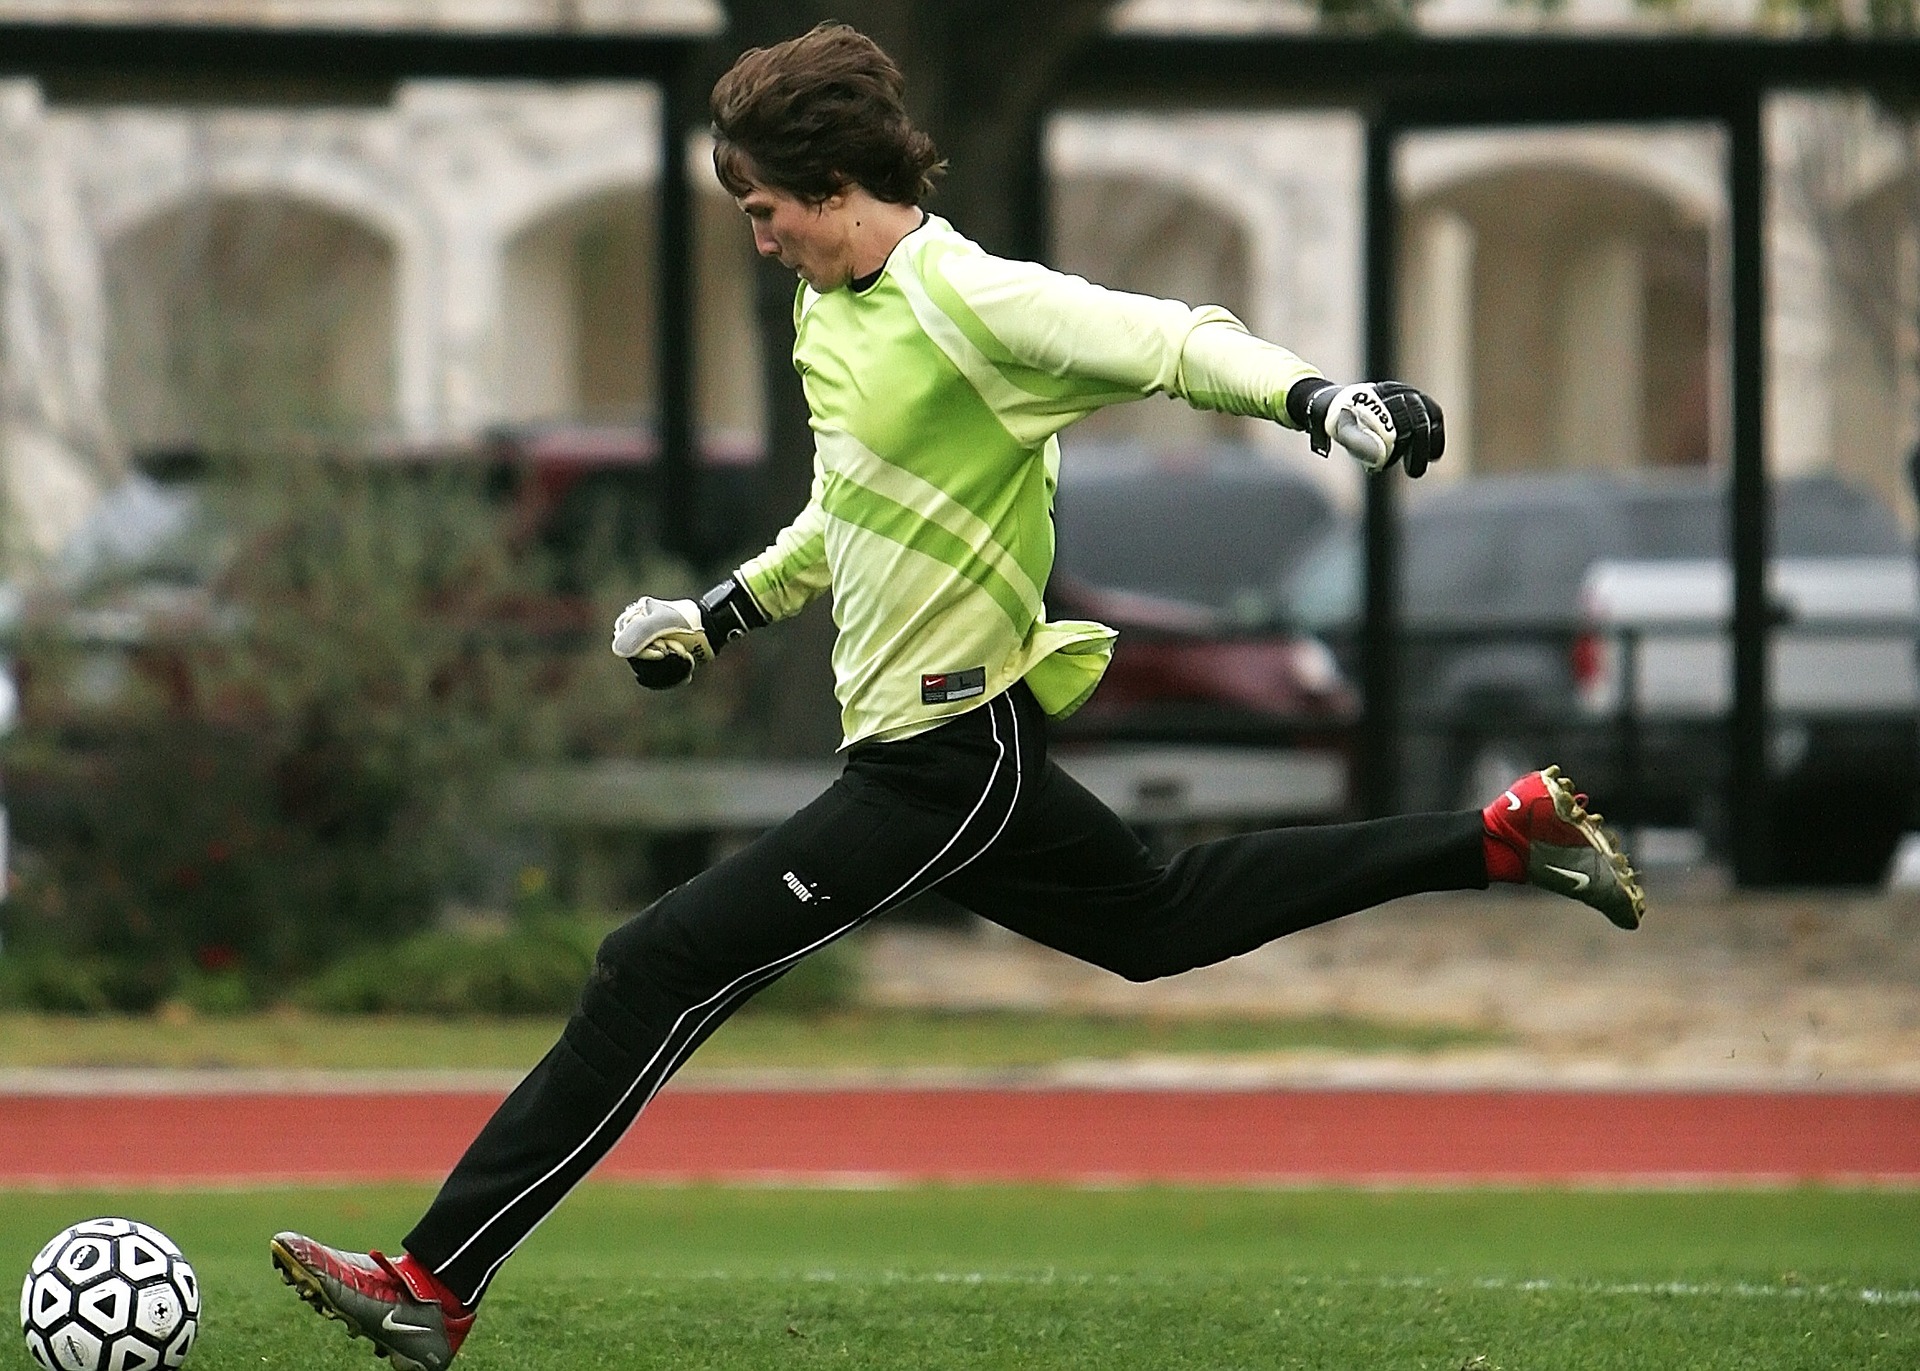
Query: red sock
427 1286
1504 861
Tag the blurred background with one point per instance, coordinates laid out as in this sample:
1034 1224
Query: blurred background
332 440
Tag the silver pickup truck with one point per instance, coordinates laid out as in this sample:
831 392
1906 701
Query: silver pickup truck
1501 670
1654 666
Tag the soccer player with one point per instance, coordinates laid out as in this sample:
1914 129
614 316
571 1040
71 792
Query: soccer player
936 376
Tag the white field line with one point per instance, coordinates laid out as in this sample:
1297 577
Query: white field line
1700 1290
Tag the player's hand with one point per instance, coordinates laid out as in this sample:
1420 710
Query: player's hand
1378 423
662 640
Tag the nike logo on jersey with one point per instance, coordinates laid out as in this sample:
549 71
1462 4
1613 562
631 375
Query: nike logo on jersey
944 687
1580 879
1513 801
393 1325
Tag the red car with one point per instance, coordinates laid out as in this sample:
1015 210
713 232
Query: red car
1182 555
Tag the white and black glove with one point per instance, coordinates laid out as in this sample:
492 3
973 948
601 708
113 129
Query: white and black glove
1377 422
664 640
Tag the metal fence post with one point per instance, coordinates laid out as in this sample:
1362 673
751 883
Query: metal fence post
1750 800
680 523
1377 786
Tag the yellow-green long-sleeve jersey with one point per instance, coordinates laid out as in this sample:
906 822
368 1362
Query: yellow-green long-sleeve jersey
935 394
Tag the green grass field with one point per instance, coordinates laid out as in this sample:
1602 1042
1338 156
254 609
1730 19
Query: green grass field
924 1279
862 1038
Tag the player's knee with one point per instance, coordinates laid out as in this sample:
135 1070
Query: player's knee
631 944
624 994
643 951
1140 964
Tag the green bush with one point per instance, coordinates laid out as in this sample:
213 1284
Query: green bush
305 766
216 993
179 841
52 984
537 968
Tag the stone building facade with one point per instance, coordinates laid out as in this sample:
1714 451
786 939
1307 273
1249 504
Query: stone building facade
470 255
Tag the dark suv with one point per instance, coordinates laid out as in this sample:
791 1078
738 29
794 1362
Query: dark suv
1497 650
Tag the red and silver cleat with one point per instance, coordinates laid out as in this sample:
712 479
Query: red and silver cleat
372 1296
1562 847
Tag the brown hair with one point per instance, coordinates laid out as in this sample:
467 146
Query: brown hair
815 113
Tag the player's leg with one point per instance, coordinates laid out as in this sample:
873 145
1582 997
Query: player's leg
1072 875
902 817
660 984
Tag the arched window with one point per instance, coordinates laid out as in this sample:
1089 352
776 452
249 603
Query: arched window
1874 260
579 309
1148 236
241 321
1565 313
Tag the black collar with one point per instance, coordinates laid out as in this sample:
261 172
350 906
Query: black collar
865 283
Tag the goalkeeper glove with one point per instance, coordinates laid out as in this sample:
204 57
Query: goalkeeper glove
1377 422
663 640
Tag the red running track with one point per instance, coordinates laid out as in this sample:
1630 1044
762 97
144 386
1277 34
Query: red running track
980 1135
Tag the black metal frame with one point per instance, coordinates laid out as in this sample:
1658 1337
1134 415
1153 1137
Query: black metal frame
1402 84
1397 83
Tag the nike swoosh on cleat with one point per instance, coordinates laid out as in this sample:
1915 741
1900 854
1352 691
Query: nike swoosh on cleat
1580 879
1513 802
394 1326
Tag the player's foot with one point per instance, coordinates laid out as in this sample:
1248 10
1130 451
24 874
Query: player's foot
1541 832
373 1297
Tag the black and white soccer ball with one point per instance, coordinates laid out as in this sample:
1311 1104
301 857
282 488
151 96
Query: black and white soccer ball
109 1295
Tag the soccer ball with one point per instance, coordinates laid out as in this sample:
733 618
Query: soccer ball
109 1295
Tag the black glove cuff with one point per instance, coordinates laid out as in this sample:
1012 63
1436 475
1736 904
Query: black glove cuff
728 612
1307 402
661 673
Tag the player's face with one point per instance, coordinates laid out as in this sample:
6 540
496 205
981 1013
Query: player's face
809 239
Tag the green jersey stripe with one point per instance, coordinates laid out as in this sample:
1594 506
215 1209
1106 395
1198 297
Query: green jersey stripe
973 352
844 456
1069 395
851 502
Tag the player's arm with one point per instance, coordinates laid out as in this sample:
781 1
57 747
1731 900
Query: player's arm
1120 346
1377 423
664 640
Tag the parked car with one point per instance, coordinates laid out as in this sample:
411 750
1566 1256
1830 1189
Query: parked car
135 576
144 568
570 481
1501 660
1177 552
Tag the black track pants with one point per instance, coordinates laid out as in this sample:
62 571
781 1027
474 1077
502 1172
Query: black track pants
973 807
